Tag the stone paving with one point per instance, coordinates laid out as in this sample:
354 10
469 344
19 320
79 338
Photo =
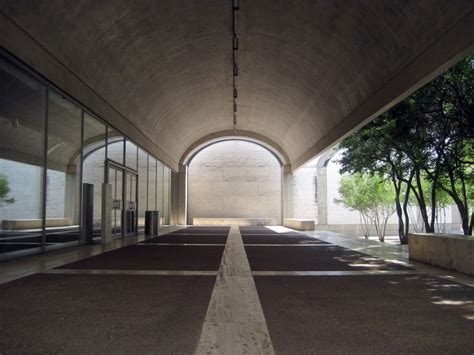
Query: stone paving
317 292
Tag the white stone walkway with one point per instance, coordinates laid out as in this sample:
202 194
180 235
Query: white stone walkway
234 322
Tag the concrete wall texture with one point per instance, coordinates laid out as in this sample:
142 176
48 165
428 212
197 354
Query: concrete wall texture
234 179
305 204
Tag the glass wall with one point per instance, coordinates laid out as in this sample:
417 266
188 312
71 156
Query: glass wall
142 186
21 161
94 142
131 155
115 148
152 183
49 147
159 190
64 171
166 194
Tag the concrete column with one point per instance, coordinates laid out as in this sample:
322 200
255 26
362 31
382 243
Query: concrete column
106 213
287 181
182 194
322 193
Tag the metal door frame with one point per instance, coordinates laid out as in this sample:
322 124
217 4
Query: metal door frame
124 170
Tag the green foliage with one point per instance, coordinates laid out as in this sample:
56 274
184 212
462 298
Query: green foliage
426 142
371 196
4 191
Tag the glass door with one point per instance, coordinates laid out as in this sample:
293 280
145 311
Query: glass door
130 203
116 180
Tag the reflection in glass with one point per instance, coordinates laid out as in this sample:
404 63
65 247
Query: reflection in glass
142 186
93 166
115 146
152 206
130 154
159 189
21 162
130 203
166 195
64 171
116 181
174 199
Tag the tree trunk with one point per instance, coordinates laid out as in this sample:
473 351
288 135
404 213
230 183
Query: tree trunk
401 229
422 203
471 225
433 205
405 211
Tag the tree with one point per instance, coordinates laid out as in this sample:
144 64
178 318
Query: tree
4 191
372 150
354 195
372 197
429 137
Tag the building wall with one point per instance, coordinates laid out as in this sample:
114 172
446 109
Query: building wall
234 179
305 204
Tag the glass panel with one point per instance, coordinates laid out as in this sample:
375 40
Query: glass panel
142 186
116 180
159 189
166 195
174 197
93 166
21 162
115 147
130 203
131 154
152 184
64 171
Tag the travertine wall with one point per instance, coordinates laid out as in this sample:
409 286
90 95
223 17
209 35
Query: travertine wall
234 179
305 204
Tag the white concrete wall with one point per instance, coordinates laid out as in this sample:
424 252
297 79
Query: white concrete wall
304 192
338 214
234 179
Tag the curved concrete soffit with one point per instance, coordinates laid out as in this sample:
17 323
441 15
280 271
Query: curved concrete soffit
326 157
247 136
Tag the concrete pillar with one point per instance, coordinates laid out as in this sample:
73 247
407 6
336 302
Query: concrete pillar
322 193
182 194
106 213
287 181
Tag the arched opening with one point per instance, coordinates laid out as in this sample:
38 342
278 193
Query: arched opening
234 179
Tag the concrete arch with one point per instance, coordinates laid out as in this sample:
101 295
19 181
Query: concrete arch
309 71
252 137
326 157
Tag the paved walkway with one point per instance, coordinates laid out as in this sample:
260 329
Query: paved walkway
248 290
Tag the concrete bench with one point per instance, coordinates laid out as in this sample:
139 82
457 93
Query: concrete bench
299 224
19 224
449 251
227 221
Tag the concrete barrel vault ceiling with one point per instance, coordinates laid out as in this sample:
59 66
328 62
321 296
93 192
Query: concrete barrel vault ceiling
309 70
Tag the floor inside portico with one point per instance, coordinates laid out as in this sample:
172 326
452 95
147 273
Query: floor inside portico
234 290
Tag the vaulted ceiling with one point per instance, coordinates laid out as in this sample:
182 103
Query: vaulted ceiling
309 70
